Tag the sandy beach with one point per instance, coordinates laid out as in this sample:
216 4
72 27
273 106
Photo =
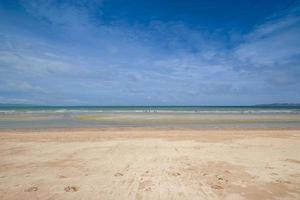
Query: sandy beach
149 164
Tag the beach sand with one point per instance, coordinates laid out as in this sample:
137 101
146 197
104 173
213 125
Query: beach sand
149 164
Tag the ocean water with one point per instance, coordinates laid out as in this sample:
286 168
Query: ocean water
198 117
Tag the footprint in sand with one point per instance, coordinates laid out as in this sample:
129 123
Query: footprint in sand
145 185
31 189
174 173
217 187
282 181
147 173
119 174
71 189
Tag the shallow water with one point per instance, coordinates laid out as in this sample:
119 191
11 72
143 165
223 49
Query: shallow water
161 117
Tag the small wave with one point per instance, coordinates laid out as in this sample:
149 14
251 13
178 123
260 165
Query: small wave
162 111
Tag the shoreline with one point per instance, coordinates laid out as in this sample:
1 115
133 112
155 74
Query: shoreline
64 129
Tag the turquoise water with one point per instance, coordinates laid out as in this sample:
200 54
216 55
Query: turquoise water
150 116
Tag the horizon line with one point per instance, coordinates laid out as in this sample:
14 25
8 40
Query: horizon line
211 105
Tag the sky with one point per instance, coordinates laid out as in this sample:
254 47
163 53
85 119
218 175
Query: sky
158 52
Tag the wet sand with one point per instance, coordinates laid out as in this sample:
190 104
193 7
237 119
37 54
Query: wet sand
149 164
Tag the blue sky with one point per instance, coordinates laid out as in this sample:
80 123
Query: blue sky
121 52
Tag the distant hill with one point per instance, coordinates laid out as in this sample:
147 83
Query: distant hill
280 105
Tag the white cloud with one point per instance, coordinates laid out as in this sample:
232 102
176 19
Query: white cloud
31 65
274 42
67 13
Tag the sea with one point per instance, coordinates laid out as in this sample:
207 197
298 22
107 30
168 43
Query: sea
165 117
